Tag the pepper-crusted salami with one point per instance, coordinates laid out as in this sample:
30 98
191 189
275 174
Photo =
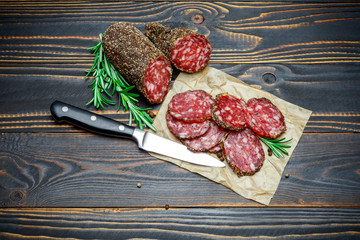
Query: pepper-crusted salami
138 60
191 106
207 141
243 151
264 118
228 111
188 51
183 130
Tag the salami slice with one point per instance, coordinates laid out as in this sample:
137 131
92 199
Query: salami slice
210 139
188 51
138 60
264 118
228 112
243 151
184 130
191 106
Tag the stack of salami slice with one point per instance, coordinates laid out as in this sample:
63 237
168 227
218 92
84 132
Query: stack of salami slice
226 125
189 119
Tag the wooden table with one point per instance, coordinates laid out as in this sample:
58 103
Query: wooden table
57 181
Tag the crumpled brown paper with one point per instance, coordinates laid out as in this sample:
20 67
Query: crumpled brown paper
262 186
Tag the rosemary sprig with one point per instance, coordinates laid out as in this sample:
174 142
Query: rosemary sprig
108 81
277 146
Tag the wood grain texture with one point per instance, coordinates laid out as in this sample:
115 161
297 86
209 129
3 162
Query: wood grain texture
265 32
228 223
78 170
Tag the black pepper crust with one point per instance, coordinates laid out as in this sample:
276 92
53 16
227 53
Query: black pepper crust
241 173
130 51
165 38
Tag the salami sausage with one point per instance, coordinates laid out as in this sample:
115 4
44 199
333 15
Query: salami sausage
138 60
264 118
184 130
191 106
228 112
188 51
243 151
207 141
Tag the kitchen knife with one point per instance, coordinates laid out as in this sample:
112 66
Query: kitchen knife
63 112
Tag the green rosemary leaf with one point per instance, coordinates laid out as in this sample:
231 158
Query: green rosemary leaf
148 118
282 145
287 141
130 118
275 140
124 102
282 150
133 98
276 152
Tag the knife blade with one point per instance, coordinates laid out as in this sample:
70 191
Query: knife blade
63 112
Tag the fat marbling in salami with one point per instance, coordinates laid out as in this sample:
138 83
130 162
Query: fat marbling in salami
188 51
243 151
184 130
191 106
207 141
264 118
228 112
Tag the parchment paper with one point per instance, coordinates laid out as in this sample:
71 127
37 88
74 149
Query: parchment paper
262 186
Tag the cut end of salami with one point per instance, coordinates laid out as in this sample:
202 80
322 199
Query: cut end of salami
157 79
228 112
191 106
243 151
264 118
191 53
185 130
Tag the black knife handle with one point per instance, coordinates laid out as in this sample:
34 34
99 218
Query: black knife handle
63 112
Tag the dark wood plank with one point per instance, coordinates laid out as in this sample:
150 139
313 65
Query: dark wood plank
78 170
245 223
